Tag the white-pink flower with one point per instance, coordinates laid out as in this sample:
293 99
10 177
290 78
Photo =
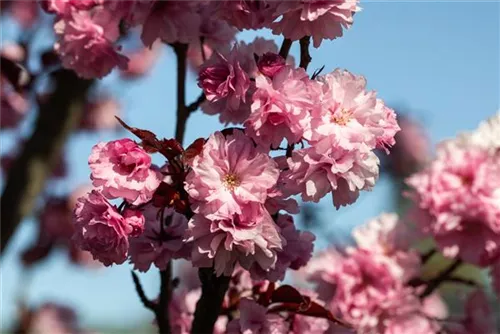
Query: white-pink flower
350 114
281 107
86 43
324 168
102 230
250 239
319 19
121 168
161 240
229 175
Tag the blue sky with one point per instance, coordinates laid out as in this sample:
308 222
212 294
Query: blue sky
440 59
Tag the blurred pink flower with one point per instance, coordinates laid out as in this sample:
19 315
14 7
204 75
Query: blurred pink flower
229 175
100 115
411 150
53 318
86 43
121 168
478 318
319 19
159 244
141 62
65 7
26 13
254 319
458 192
101 230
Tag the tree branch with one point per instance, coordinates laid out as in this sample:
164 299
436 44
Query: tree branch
305 57
285 48
196 104
442 277
140 291
162 315
213 289
56 120
427 256
182 112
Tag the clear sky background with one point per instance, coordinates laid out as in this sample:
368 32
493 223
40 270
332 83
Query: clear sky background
439 59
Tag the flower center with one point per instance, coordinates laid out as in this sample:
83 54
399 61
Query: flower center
341 117
231 181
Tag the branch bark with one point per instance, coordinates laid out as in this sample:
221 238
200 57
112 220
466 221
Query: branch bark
285 48
26 178
305 57
442 277
182 112
213 289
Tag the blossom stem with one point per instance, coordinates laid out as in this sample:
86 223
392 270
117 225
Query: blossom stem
442 277
427 256
305 57
162 314
285 47
208 307
140 291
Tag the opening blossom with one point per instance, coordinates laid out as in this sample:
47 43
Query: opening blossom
102 230
121 168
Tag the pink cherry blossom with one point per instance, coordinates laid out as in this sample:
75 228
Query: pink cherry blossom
319 19
281 107
322 270
171 21
297 251
100 115
413 323
85 43
100 229
324 168
270 64
259 46
249 239
458 194
244 14
350 114
228 175
254 320
215 32
159 244
121 168
227 88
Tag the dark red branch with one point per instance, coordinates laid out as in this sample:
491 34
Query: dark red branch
305 57
285 48
434 283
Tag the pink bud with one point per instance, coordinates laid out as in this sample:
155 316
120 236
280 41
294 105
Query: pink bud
270 63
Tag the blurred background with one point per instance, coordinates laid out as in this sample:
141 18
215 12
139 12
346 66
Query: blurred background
436 63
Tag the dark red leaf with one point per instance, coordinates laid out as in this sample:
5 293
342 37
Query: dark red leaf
288 294
193 150
170 148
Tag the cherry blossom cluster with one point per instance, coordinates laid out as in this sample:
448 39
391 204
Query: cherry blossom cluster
88 31
457 196
375 285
